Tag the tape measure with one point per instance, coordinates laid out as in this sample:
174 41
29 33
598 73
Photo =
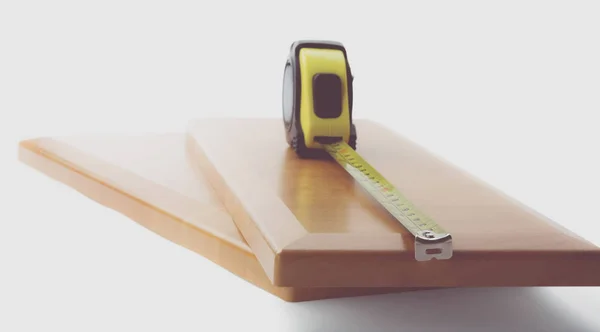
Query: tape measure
317 116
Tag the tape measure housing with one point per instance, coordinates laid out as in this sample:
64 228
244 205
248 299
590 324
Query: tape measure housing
308 117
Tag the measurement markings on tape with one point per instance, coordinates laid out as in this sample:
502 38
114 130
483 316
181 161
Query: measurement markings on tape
431 240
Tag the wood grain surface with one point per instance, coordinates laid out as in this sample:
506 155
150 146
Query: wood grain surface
149 179
310 224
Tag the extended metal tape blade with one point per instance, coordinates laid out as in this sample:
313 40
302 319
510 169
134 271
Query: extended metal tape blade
431 240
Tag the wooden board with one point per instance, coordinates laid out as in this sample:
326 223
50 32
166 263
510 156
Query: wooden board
310 224
149 179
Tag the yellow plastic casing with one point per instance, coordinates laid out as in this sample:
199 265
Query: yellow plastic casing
320 61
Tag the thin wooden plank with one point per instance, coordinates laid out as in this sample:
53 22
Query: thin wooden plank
314 226
149 179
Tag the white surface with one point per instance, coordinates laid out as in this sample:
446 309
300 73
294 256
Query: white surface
508 91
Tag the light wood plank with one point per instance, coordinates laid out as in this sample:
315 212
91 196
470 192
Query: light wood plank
149 179
312 225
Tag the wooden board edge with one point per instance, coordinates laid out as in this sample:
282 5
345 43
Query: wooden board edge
267 254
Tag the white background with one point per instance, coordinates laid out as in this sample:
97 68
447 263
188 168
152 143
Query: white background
507 90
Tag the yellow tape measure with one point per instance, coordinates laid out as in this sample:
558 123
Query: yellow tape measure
317 114
431 240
